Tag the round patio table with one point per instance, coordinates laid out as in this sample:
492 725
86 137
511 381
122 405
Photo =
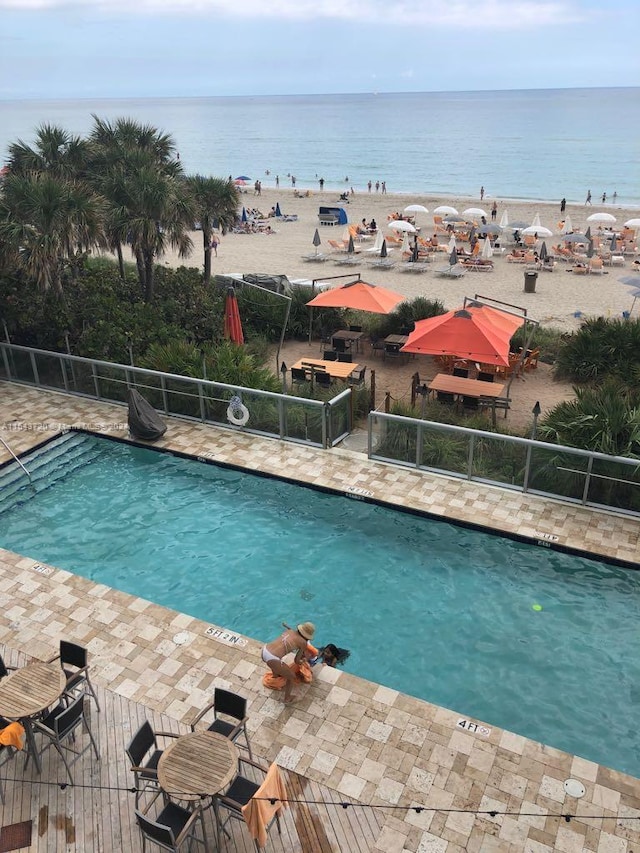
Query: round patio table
197 763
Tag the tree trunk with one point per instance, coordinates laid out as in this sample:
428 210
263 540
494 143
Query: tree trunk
148 264
142 272
206 239
120 260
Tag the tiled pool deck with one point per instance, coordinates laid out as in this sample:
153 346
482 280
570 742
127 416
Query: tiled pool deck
363 740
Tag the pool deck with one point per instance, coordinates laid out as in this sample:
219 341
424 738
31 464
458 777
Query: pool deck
362 740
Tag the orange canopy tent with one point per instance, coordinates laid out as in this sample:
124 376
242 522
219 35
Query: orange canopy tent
359 296
232 324
477 333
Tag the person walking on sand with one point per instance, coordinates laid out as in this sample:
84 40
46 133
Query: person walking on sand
563 205
377 186
277 181
481 193
615 196
291 641
588 199
604 197
383 188
369 185
214 244
494 211
321 182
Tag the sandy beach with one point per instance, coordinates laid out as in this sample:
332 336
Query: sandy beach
561 299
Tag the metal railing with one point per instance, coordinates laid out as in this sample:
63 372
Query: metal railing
296 419
526 465
15 458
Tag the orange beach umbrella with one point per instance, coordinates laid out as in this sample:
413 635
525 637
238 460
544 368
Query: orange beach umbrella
473 333
360 296
232 324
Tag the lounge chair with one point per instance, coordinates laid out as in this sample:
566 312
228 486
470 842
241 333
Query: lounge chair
596 266
456 271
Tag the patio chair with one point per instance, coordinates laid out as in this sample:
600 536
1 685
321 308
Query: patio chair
339 344
7 754
329 355
324 379
144 754
5 670
259 813
445 397
60 725
346 357
229 715
485 377
460 371
299 376
174 826
73 660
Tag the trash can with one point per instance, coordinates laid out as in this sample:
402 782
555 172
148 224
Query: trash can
530 278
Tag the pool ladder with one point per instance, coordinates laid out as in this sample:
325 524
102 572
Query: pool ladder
16 459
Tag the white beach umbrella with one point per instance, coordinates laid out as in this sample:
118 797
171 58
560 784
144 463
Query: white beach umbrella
601 217
401 225
377 243
504 219
567 228
446 209
474 211
405 242
540 230
632 223
536 221
452 244
416 208
487 249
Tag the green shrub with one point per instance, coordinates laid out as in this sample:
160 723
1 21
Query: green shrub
601 348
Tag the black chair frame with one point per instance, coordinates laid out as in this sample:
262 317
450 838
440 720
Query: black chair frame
237 795
73 660
230 705
144 745
60 724
172 826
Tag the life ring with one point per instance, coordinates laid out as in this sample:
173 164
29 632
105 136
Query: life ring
237 412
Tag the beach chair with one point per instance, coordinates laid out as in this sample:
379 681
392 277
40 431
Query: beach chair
456 271
596 266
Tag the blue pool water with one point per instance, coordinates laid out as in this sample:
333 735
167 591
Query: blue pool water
428 608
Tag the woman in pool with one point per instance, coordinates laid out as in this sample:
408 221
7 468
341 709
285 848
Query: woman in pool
293 640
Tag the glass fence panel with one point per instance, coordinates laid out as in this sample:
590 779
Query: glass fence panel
445 451
112 383
395 440
79 377
558 472
615 484
20 367
52 370
339 420
182 398
149 386
499 461
303 422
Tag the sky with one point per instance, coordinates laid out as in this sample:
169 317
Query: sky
194 48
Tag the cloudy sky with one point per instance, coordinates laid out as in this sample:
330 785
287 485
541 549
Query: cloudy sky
137 48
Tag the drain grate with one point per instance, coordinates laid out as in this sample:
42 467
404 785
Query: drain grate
15 836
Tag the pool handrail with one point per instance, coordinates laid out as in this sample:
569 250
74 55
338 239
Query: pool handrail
15 457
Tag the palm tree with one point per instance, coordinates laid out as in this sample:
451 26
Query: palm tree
55 151
48 224
133 166
215 201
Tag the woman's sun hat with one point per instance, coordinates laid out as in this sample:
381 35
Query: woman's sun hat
307 630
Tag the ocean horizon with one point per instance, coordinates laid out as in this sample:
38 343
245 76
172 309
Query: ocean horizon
533 144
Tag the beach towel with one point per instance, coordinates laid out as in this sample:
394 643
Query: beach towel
12 735
259 811
301 671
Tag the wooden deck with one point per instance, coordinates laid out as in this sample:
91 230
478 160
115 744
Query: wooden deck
96 813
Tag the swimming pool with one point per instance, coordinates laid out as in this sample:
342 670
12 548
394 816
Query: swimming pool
428 608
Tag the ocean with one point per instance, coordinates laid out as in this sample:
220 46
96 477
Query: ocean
533 144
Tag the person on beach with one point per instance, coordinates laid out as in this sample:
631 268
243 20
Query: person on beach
369 185
321 182
293 181
563 205
604 197
615 196
277 181
588 199
377 186
494 211
481 193
290 641
214 244
383 188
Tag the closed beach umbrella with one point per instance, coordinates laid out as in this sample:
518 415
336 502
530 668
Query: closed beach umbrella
544 254
452 244
415 252
232 324
383 249
453 258
402 225
351 247
504 219
601 217
316 240
469 333
487 250
359 296
405 242
587 233
536 221
278 209
613 247
590 249
446 210
567 228
377 243
244 215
